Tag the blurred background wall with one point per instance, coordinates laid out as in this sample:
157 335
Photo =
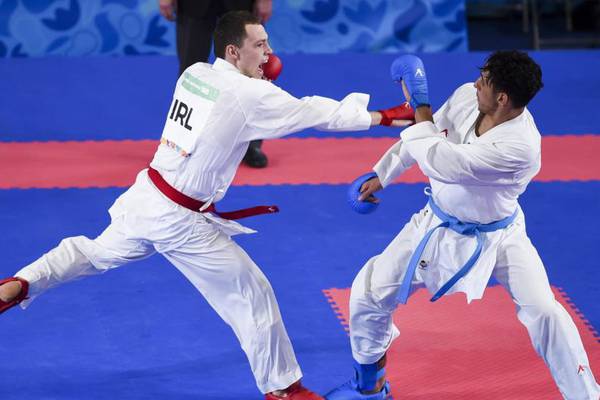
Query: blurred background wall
124 27
34 28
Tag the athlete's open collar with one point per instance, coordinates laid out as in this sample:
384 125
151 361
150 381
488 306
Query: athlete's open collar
222 65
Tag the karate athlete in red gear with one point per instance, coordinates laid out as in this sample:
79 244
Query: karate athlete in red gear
480 151
216 111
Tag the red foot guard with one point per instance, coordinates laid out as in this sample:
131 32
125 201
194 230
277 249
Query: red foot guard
19 298
295 392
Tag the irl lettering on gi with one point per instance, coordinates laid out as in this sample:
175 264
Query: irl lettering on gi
181 112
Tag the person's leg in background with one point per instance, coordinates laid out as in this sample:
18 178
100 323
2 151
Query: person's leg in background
196 22
254 157
194 40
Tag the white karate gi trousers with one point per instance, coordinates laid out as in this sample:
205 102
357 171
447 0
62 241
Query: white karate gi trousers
518 268
143 222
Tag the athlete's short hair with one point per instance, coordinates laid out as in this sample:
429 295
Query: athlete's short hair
514 73
231 29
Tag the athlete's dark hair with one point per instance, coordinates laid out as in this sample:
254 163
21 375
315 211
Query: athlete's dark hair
231 29
514 73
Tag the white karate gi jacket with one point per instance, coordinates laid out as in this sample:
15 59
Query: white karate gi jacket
201 149
476 182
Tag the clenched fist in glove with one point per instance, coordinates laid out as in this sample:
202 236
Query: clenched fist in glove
360 193
410 70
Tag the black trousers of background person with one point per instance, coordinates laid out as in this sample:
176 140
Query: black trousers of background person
196 23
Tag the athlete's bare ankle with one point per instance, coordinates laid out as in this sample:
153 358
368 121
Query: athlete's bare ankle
283 392
10 290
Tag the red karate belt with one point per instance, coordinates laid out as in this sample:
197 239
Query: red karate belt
195 205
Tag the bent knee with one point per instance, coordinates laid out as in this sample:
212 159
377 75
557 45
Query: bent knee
370 292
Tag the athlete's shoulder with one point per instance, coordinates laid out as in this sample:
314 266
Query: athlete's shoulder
256 88
530 129
466 91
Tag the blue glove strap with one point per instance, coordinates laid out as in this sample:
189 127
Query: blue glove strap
418 100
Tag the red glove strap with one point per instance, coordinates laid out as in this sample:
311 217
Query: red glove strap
401 112
385 119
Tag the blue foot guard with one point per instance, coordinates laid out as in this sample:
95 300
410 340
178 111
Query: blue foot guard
365 380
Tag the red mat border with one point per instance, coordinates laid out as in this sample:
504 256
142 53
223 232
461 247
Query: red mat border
292 161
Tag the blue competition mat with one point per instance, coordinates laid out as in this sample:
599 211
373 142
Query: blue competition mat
142 331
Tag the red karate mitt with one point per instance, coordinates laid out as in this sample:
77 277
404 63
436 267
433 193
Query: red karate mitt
272 68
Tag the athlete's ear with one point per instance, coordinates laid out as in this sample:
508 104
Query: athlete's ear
232 51
502 99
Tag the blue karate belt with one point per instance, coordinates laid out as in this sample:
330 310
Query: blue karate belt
464 228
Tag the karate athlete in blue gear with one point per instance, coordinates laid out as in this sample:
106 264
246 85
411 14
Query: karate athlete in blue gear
479 150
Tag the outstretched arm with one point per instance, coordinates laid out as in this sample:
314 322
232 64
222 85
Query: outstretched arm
277 113
398 116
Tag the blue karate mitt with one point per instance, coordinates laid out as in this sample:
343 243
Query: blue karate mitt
410 69
361 207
